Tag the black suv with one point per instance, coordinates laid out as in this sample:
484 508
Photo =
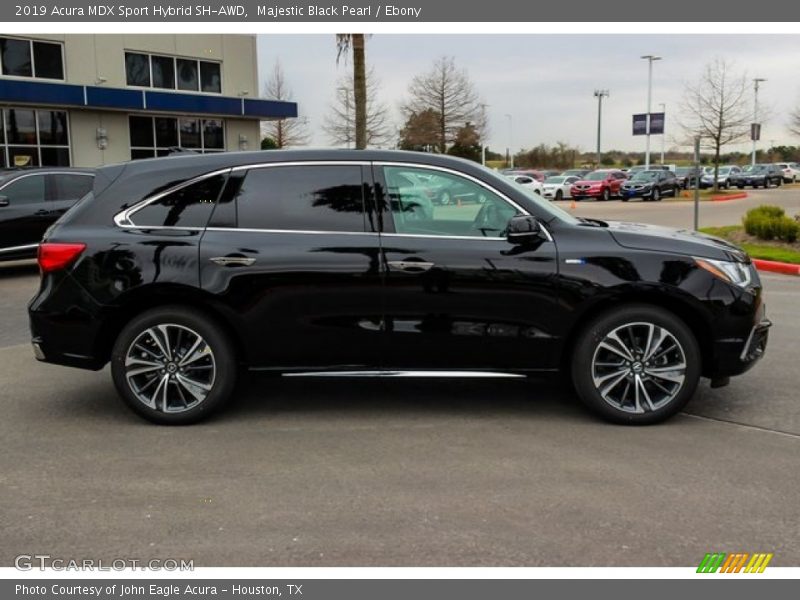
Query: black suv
182 270
758 176
650 185
33 199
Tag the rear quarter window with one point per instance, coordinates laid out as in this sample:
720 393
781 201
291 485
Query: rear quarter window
189 206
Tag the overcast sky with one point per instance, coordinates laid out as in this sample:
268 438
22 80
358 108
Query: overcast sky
546 82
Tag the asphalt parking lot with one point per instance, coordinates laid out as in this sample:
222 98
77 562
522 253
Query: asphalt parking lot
401 472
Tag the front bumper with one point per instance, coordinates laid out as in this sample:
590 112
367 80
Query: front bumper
590 193
635 193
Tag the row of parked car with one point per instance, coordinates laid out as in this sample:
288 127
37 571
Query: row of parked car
649 184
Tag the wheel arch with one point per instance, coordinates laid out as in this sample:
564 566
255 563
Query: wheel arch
137 302
691 315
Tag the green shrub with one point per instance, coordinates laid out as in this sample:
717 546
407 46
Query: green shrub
771 223
767 210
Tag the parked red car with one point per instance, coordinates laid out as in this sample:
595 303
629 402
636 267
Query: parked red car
601 184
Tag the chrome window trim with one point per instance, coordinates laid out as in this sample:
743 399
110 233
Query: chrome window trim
15 248
123 218
302 231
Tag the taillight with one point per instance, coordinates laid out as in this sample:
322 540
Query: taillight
53 257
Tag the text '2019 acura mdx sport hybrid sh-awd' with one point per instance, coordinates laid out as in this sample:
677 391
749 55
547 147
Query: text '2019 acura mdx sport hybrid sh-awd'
183 270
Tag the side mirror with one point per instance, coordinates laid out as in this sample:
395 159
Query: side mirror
3 200
523 229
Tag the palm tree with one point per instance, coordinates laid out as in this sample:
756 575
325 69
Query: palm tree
344 43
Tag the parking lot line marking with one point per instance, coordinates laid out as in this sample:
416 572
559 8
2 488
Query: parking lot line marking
744 425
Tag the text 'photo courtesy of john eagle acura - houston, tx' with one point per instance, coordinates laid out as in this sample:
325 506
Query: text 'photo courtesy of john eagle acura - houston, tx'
184 271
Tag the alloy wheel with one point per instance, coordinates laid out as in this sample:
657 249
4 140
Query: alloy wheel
639 367
170 368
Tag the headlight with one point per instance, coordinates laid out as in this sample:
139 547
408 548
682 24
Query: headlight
737 273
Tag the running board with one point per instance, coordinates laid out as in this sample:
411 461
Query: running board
457 374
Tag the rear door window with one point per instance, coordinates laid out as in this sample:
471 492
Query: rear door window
325 198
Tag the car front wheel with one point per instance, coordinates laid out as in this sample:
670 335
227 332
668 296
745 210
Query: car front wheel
606 195
174 365
636 365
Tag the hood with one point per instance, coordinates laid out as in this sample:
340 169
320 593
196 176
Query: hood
640 236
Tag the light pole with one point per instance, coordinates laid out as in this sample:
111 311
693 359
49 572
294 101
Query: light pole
756 81
483 129
599 94
650 59
664 131
510 151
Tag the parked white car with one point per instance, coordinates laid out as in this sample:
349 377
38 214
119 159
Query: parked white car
558 187
527 182
791 172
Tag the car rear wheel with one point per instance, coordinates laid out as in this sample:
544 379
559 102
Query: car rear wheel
636 365
173 365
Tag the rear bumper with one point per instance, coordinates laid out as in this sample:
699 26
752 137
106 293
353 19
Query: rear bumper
70 337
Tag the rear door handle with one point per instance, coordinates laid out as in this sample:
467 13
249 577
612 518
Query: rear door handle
232 261
410 266
41 213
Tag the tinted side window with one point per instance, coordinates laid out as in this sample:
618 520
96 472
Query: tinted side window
26 190
310 198
190 206
72 187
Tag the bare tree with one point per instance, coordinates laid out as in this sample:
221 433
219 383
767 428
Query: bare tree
284 132
716 108
447 91
794 121
356 42
340 122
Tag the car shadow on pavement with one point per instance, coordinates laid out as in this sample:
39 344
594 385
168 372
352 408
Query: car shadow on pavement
269 396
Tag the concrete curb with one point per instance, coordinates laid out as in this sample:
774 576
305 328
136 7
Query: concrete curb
777 267
727 197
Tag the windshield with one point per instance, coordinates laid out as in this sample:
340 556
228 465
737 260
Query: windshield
724 170
555 180
645 176
544 205
758 168
682 170
596 176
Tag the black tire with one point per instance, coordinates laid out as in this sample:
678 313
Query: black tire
559 196
624 198
656 195
780 183
606 195
588 343
182 322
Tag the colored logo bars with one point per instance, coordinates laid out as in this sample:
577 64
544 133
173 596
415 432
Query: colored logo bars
737 562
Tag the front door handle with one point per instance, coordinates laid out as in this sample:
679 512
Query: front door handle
41 213
232 261
410 266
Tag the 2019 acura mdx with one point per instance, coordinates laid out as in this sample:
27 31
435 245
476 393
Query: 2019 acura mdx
182 271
